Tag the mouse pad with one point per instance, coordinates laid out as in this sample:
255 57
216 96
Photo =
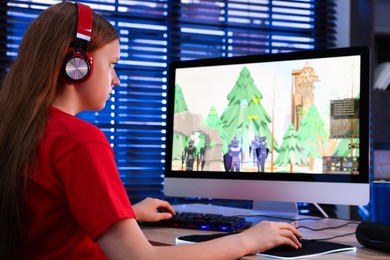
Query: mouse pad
309 247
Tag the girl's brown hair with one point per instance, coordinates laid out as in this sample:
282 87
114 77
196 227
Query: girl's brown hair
28 90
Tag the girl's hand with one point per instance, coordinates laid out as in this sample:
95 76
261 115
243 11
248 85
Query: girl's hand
267 235
153 210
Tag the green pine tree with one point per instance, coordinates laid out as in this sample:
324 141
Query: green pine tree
312 135
214 122
343 148
245 116
179 141
291 150
180 102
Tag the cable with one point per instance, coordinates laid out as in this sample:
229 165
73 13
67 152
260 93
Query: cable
334 227
326 228
329 238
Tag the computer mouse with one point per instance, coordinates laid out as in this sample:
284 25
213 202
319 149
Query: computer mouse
299 239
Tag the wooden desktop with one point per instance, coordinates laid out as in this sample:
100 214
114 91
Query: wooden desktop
166 236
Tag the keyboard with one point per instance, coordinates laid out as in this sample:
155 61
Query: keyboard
203 221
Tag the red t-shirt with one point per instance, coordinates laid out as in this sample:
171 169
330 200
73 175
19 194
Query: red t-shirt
74 194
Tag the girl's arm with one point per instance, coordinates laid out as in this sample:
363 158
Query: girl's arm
125 240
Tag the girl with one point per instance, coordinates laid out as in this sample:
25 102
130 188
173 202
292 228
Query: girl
60 191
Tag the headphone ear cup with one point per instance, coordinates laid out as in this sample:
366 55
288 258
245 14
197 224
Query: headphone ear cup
77 66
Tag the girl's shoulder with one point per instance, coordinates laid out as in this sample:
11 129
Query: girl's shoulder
66 126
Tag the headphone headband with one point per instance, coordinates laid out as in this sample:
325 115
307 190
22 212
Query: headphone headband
84 25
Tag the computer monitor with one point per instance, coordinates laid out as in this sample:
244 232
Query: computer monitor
287 127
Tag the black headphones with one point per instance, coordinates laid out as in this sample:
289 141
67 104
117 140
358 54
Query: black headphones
78 64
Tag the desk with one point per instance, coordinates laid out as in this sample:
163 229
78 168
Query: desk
167 236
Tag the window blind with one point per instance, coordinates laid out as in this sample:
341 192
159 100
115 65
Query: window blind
155 32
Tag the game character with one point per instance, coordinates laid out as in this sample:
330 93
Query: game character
200 160
235 152
252 148
261 152
189 155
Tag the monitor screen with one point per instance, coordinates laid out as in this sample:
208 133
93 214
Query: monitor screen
275 127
